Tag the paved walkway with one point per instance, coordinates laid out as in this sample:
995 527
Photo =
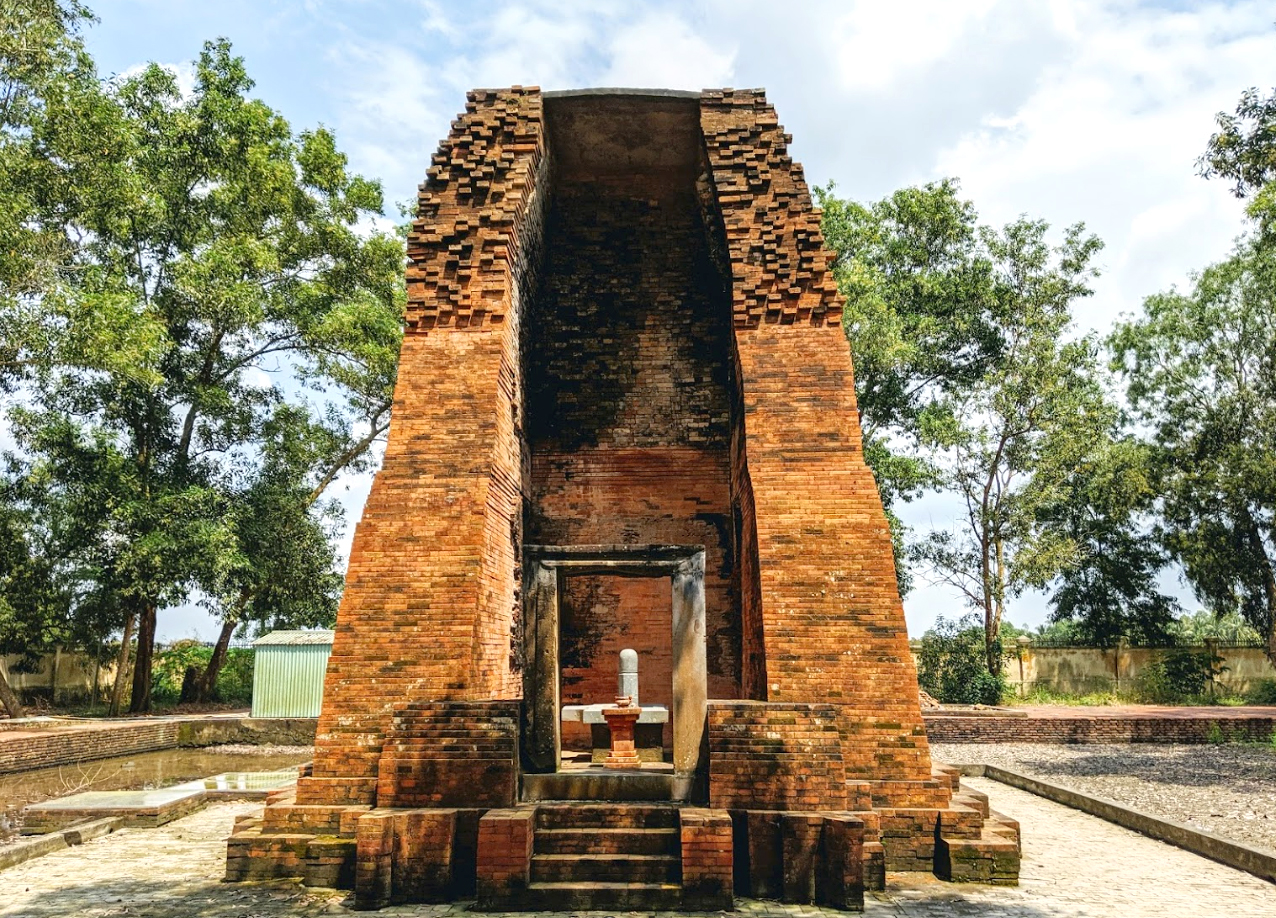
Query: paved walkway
1075 866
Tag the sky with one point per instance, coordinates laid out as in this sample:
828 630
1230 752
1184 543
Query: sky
1070 111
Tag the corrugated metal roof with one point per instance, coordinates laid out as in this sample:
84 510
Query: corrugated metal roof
319 636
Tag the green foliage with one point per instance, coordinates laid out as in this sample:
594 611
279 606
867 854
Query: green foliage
1044 694
234 683
952 663
1184 674
1017 435
1109 590
1243 150
1200 374
170 667
1262 692
918 318
204 259
957 333
1202 625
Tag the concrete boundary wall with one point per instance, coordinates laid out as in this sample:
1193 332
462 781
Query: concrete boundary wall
1257 861
1078 670
71 743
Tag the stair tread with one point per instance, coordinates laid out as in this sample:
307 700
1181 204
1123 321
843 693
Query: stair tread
600 885
608 830
607 857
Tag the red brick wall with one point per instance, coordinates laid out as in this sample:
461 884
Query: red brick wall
832 619
775 756
635 428
628 383
431 598
945 728
48 748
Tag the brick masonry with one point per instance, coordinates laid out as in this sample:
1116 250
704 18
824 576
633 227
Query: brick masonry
947 728
23 749
622 329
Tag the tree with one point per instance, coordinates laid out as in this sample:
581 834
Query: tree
282 572
1109 589
1200 371
1243 150
1009 442
42 63
920 318
207 255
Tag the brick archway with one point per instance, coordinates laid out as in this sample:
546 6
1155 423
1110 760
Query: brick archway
544 566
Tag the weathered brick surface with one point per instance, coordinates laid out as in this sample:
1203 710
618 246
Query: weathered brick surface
431 599
505 841
707 865
47 748
450 754
833 624
775 756
628 379
948 728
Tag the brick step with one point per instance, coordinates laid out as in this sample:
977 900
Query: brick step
608 841
606 868
618 816
991 858
972 798
961 822
545 897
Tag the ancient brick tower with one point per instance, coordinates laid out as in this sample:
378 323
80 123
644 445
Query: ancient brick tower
625 417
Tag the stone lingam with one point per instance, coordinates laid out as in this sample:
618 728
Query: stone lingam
638 728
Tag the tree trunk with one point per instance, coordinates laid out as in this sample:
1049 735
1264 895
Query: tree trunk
140 703
208 682
121 667
1255 538
53 676
9 698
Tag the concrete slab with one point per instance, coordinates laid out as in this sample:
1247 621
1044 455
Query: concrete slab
244 785
144 808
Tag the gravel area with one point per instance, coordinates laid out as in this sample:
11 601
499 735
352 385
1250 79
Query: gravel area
1229 790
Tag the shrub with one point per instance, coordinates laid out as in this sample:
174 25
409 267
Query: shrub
1182 674
1262 692
952 666
169 665
234 682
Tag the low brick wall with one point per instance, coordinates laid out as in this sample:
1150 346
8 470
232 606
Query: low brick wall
68 744
66 747
1099 728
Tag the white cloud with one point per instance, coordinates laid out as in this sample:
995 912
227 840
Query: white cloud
662 50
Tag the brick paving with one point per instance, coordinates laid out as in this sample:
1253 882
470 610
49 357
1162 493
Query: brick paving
1074 865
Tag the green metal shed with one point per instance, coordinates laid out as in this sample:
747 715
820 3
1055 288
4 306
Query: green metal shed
288 673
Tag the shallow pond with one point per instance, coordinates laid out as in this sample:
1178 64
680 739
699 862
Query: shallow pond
136 772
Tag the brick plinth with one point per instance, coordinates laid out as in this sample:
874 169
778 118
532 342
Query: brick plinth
707 865
775 756
504 856
453 753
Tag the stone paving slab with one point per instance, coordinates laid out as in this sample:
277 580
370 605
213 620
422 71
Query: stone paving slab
1075 866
